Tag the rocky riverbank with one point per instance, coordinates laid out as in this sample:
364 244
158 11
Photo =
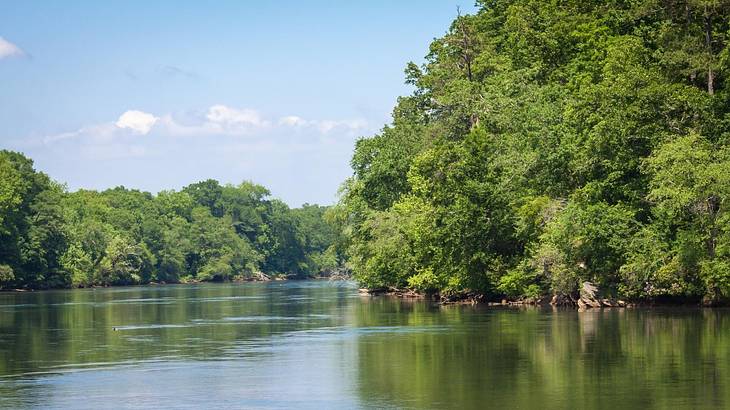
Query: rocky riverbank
588 297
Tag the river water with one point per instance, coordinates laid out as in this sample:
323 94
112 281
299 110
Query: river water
319 344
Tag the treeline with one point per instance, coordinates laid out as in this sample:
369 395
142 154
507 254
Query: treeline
51 238
553 142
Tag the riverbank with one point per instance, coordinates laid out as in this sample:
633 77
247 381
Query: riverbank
257 278
588 297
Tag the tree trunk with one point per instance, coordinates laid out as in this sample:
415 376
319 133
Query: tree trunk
708 45
710 80
713 208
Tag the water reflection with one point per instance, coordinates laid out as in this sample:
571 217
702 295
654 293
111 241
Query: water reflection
533 358
320 344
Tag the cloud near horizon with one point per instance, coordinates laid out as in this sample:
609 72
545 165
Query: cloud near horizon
300 159
323 126
219 119
137 121
8 49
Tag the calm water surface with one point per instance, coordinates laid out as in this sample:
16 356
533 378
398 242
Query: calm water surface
320 345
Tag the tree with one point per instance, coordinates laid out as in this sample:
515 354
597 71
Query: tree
547 144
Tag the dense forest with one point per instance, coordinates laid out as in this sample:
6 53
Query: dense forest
52 238
548 143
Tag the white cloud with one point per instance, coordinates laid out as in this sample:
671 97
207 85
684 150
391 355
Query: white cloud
217 120
100 141
228 117
293 121
137 121
323 126
219 141
8 49
351 125
98 133
130 124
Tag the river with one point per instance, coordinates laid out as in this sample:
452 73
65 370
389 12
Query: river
319 344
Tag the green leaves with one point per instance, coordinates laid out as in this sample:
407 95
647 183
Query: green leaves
32 231
686 174
547 144
51 238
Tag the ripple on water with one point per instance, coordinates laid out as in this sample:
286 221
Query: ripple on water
224 299
151 326
274 318
80 367
224 321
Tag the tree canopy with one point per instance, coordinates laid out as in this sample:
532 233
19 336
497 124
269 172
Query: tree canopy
550 143
206 232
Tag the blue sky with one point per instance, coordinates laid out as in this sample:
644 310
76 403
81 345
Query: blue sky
157 95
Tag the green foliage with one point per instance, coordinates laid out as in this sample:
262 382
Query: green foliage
6 276
385 259
206 232
546 144
79 265
121 263
520 281
589 241
32 234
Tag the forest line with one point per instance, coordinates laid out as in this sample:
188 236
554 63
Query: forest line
51 238
551 143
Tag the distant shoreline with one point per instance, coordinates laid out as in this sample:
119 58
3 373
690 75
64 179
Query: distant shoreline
153 284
